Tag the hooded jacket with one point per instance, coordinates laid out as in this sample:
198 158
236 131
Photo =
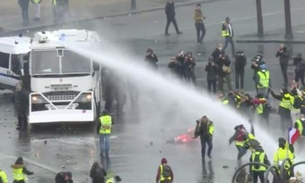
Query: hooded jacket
60 177
20 164
158 177
97 173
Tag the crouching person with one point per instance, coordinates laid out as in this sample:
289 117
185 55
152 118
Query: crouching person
20 171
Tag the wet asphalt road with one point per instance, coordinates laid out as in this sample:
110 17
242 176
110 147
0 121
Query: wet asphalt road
138 142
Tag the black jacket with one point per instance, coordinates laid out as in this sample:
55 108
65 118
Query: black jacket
299 65
97 174
170 10
220 63
211 70
283 57
240 63
152 60
21 102
60 178
216 54
176 67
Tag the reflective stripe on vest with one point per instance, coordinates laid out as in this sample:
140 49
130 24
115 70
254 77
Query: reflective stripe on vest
300 126
106 123
161 174
36 1
225 102
286 103
263 79
225 33
18 174
261 160
239 143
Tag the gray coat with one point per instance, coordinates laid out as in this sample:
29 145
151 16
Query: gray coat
21 102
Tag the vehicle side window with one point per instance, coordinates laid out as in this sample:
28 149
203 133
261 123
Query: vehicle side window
4 60
16 64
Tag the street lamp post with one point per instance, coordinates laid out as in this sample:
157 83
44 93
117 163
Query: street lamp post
288 34
133 4
260 26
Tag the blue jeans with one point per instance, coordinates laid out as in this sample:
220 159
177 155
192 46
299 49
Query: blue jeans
105 143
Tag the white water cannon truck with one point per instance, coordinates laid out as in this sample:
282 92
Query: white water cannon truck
65 86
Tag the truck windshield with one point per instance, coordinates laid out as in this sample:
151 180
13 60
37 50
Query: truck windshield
75 63
44 62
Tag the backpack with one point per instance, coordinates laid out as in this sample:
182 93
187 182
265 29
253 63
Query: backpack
297 102
166 171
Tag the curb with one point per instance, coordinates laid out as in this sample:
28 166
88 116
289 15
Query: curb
271 41
132 12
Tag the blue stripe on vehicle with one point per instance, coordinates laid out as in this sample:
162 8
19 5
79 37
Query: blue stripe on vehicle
10 76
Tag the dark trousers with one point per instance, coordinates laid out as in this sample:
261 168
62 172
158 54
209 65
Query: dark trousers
200 29
22 122
169 21
212 83
258 174
284 68
18 181
241 152
204 142
299 76
239 79
227 41
286 119
24 12
190 77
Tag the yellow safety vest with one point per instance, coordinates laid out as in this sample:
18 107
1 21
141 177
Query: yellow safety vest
161 174
261 160
106 123
225 102
300 126
287 103
225 33
3 177
264 78
260 107
239 143
238 101
280 155
36 1
111 180
211 128
18 174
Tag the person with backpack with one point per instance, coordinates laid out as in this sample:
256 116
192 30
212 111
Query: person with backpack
164 173
3 177
258 171
97 173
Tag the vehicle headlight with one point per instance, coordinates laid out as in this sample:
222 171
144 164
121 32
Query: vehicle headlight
37 99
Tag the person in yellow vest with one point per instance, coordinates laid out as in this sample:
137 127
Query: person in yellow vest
280 155
20 171
286 103
263 80
299 124
104 130
3 177
165 173
228 34
258 171
239 137
114 179
37 6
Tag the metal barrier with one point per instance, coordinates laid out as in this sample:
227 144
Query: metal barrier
249 164
274 172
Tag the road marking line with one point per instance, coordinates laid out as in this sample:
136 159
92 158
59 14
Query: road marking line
31 162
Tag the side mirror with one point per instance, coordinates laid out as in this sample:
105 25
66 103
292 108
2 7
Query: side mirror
96 66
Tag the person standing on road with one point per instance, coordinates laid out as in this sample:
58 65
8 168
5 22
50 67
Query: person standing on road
211 70
151 59
283 55
3 177
240 63
189 68
37 6
200 28
228 33
24 5
104 130
263 81
299 63
258 171
64 177
170 15
97 173
165 173
21 104
205 129
20 171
